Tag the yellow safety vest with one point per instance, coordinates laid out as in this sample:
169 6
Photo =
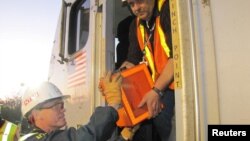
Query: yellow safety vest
8 131
158 58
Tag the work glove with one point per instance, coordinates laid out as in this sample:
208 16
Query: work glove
127 133
110 86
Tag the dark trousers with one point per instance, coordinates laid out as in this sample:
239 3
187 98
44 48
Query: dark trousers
158 128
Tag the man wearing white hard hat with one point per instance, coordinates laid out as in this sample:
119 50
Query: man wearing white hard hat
44 109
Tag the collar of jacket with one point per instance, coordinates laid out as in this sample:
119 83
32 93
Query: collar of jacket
37 130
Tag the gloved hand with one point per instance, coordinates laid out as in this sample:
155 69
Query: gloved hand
127 133
110 86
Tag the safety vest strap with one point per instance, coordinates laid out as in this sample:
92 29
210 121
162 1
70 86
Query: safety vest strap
161 35
8 131
160 3
146 47
23 138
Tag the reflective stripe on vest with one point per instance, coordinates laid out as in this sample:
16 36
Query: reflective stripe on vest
8 131
146 48
23 138
160 3
162 38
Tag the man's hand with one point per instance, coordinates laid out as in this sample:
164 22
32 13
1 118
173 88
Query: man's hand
110 88
152 100
127 65
128 133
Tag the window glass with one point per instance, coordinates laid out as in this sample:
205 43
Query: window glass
78 26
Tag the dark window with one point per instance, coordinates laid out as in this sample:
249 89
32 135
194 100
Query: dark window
78 26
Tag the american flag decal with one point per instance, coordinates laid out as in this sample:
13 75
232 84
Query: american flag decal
79 75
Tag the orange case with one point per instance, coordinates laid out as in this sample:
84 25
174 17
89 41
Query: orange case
135 84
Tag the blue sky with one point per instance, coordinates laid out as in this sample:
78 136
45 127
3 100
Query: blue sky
27 30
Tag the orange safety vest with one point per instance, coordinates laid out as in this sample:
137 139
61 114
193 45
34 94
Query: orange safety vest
161 49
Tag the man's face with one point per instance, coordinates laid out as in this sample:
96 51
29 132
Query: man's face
52 114
142 8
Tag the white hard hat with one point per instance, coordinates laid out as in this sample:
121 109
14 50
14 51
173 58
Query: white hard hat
36 95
